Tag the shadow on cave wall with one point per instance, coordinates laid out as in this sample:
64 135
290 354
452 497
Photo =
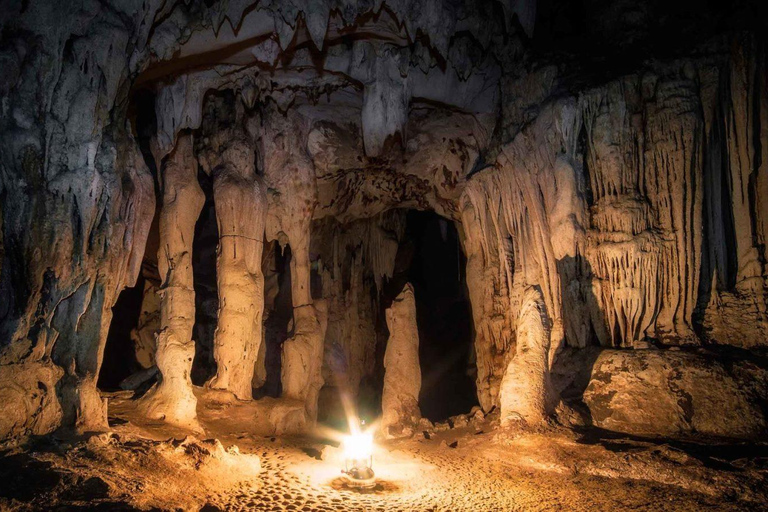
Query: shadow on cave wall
572 368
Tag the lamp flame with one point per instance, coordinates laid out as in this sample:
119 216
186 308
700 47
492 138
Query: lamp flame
358 446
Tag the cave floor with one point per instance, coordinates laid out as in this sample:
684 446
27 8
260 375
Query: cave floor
478 467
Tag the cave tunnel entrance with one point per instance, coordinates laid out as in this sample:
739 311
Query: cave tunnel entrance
120 359
130 346
430 257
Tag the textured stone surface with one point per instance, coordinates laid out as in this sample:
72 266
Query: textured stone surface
303 356
172 399
525 392
635 198
677 393
240 213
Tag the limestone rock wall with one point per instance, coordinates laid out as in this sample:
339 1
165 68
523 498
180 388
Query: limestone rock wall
621 203
680 393
635 199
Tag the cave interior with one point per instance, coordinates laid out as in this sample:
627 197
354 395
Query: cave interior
516 246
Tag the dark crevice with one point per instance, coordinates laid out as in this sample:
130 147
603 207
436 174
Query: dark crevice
582 151
142 111
277 318
206 287
119 353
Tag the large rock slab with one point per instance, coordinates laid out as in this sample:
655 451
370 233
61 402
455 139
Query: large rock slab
677 393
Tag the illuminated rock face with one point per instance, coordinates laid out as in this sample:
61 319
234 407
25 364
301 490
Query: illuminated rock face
635 202
525 392
303 357
402 373
172 399
240 210
658 393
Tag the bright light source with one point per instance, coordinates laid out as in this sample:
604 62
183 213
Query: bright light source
358 446
358 458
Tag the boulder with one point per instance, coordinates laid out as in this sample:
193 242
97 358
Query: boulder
671 393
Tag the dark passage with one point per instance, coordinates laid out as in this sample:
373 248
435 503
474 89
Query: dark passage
206 287
278 312
119 354
430 258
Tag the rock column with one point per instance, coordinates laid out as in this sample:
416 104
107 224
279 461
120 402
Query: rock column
172 399
240 210
303 357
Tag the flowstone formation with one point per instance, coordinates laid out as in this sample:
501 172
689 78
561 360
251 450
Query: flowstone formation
525 392
250 165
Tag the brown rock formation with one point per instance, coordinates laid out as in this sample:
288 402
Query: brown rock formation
525 393
172 399
240 207
303 357
659 393
631 192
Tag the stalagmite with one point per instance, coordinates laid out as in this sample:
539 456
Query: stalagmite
525 389
240 207
303 356
581 211
402 373
172 399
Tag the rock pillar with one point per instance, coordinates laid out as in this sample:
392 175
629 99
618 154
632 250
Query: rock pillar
303 357
525 388
239 195
172 399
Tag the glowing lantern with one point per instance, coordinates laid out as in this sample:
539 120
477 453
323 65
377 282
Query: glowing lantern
358 459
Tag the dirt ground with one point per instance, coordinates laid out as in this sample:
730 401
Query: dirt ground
477 467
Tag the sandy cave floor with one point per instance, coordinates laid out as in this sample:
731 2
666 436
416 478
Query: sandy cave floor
141 466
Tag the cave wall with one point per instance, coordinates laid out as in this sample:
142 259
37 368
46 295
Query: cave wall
635 199
636 206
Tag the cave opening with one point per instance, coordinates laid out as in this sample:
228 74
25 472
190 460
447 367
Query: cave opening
430 257
120 358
